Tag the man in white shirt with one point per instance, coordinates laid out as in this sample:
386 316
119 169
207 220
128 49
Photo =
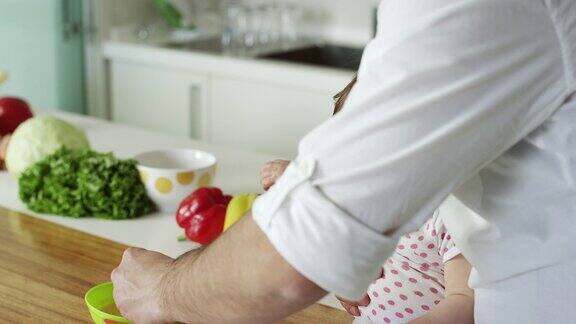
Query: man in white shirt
471 97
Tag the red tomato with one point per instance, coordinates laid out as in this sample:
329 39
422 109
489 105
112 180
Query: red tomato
13 112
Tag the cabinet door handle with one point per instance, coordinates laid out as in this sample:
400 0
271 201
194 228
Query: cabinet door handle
196 97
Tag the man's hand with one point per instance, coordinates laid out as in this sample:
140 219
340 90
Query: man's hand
138 285
239 278
271 171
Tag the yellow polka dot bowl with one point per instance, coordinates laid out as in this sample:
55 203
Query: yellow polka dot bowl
171 175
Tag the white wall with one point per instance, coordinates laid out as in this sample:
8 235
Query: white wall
26 28
44 67
346 21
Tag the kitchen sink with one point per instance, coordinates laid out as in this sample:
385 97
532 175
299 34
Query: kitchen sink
334 56
207 45
327 55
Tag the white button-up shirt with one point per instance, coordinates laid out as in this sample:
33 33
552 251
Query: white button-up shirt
471 97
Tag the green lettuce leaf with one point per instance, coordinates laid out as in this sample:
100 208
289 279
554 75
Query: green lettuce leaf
81 183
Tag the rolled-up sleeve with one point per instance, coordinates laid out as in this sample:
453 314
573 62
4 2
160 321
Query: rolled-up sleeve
444 89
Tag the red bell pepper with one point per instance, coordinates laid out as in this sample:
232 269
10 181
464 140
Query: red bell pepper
202 214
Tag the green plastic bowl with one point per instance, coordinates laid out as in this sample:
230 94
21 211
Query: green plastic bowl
99 298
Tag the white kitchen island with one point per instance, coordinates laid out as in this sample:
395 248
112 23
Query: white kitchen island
237 172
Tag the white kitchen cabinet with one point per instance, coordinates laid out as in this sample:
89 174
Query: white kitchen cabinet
264 117
257 105
159 98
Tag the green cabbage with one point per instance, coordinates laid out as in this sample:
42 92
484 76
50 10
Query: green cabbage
80 183
39 137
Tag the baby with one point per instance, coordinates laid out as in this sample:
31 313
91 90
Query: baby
424 281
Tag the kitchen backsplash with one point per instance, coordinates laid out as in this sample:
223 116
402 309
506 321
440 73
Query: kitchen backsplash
129 12
340 21
346 21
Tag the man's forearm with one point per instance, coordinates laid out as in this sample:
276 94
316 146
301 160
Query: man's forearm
239 278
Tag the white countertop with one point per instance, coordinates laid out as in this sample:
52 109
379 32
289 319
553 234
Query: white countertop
268 71
238 171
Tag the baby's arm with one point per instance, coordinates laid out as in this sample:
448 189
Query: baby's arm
458 305
271 171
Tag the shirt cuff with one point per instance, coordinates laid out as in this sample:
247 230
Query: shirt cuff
320 240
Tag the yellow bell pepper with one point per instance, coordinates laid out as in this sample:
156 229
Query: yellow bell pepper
3 76
237 208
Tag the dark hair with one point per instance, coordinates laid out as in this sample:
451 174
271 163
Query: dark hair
340 97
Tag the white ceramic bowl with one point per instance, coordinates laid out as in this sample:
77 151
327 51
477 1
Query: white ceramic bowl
171 175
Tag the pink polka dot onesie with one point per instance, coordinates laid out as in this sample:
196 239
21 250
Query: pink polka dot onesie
412 280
